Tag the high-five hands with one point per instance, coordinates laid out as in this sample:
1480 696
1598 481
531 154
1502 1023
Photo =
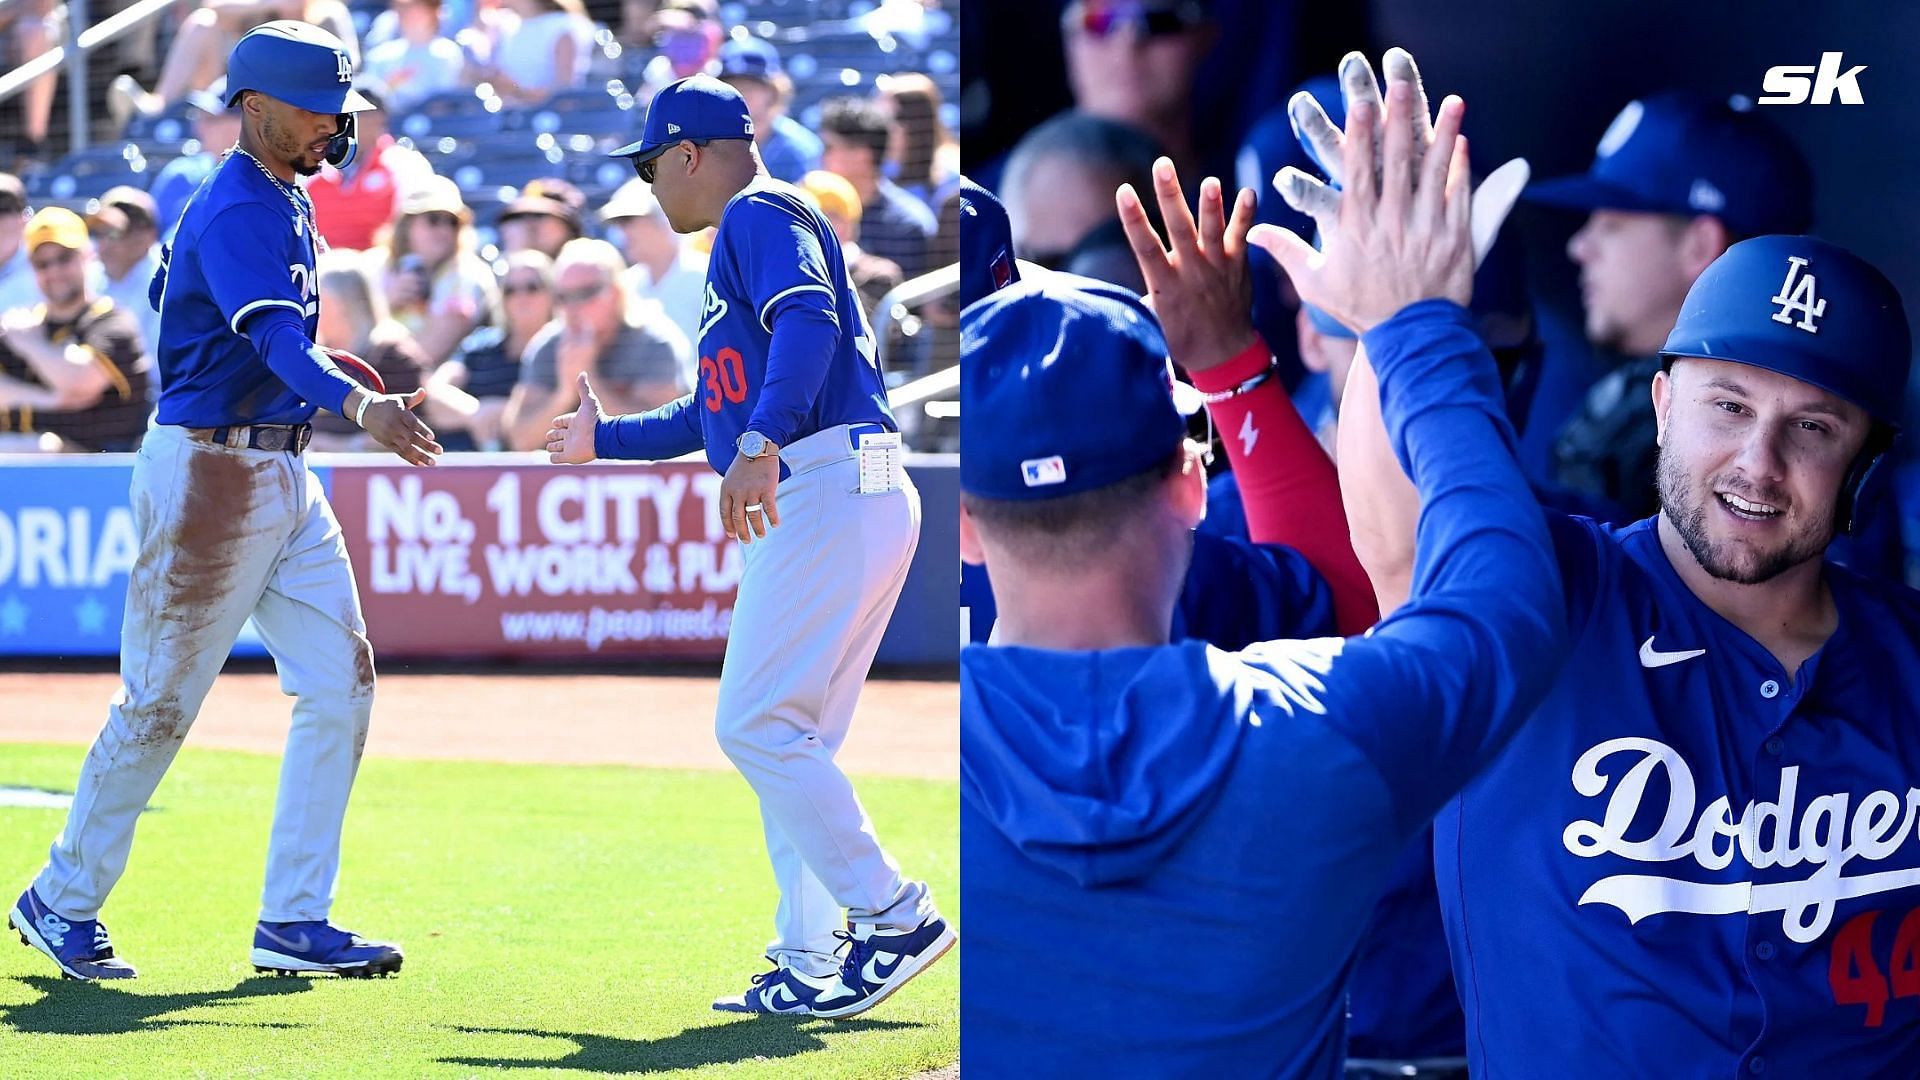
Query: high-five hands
1404 162
1200 288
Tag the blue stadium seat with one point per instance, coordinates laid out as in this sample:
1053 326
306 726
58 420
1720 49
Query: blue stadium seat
94 170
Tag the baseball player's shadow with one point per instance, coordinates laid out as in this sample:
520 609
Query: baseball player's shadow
759 1037
67 1007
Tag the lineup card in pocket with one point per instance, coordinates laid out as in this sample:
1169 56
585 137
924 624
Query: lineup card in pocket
879 462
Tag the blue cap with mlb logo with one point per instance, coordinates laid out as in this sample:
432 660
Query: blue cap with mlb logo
1806 309
699 108
1684 153
1065 387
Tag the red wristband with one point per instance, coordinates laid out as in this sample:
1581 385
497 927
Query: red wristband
1245 364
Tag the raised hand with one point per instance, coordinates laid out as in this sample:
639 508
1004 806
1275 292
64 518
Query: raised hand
1307 194
1397 237
1200 287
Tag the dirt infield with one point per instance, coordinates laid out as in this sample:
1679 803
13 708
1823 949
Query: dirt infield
903 727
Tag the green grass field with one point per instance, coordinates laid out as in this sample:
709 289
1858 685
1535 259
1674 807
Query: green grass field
564 921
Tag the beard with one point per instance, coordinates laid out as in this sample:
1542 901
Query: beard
287 147
1741 564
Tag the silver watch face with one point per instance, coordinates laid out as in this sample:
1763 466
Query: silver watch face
753 444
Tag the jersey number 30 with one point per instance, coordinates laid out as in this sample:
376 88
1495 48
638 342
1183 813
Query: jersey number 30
724 376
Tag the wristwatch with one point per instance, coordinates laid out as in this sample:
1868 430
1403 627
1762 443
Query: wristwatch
753 446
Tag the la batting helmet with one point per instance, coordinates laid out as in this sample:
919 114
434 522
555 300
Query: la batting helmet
1811 311
304 66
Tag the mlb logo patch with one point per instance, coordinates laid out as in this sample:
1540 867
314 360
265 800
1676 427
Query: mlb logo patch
1040 472
1002 270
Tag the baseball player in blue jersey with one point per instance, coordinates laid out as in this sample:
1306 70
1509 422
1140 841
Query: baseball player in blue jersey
792 412
1701 857
1171 851
232 524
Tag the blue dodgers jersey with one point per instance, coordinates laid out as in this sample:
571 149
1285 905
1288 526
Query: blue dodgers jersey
1688 863
775 251
240 249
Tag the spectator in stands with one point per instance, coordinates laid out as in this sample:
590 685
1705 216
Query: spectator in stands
421 62
199 52
873 277
32 27
127 236
627 346
354 317
751 65
215 129
687 35
548 213
487 366
353 205
75 367
486 24
546 53
922 154
661 266
1059 187
431 270
1135 63
893 224
17 287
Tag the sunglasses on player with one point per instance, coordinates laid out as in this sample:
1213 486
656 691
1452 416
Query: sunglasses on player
646 168
1101 18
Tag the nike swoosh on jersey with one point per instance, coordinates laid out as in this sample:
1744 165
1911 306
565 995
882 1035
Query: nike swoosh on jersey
1653 658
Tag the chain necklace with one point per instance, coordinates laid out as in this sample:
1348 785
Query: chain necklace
293 193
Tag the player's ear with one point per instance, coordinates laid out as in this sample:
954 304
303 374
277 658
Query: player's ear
1662 401
1189 485
971 550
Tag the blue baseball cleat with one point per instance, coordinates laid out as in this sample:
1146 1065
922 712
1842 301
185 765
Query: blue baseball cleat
881 961
79 946
782 991
287 948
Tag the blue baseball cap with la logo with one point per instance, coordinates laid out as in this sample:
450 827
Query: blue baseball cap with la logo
698 108
1684 153
1804 308
1065 387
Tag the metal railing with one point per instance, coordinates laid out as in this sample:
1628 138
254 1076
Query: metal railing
81 40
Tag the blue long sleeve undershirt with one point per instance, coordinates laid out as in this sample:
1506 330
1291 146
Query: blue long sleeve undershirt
282 341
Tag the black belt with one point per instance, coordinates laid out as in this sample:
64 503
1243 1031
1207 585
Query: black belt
290 437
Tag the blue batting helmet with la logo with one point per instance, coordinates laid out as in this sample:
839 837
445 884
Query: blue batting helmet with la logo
297 63
1807 309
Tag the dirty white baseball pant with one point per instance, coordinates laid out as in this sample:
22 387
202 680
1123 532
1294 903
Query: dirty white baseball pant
813 602
224 534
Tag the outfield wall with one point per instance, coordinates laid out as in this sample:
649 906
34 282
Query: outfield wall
482 556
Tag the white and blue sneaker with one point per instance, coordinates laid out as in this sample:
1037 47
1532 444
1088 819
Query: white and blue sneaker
79 946
782 991
287 948
880 961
